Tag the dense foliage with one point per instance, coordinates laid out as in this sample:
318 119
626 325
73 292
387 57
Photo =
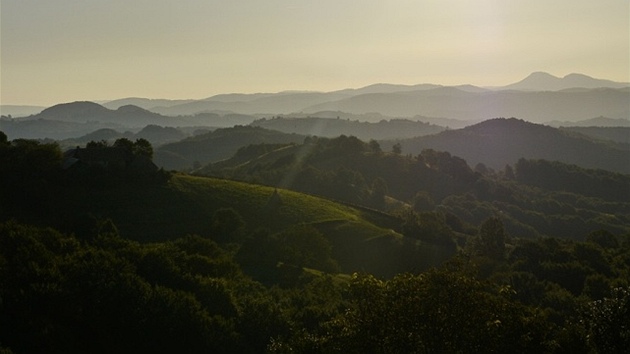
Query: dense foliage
102 293
534 198
116 277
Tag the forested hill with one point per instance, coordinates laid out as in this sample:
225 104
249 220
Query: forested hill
533 197
100 252
217 145
81 112
498 142
73 192
618 134
326 127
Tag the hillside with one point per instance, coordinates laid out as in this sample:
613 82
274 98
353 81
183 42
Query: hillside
454 103
499 142
347 169
326 127
278 103
593 122
146 103
362 240
156 135
23 128
73 120
217 145
617 134
128 115
148 209
213 265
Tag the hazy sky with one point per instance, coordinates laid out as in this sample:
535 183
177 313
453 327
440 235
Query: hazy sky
55 51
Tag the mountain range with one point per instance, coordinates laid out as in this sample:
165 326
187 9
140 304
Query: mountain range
540 97
541 81
76 119
494 143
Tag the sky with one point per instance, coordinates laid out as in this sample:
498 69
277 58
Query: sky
72 50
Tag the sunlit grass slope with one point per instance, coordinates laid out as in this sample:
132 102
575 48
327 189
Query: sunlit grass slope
258 205
362 239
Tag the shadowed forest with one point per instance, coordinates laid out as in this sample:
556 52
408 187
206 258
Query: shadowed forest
318 246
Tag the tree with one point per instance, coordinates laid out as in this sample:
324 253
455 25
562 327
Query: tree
374 146
379 191
437 311
397 149
142 147
226 224
491 239
609 322
304 246
4 140
97 144
124 143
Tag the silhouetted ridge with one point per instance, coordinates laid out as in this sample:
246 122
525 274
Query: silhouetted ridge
74 109
539 78
132 109
541 81
509 125
498 142
101 134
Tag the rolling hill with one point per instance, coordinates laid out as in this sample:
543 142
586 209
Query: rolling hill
156 135
361 239
22 128
573 199
146 103
270 104
78 255
73 120
217 145
498 142
616 134
128 116
385 129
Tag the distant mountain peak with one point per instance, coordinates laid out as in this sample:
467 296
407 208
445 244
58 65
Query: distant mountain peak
541 74
542 81
577 76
